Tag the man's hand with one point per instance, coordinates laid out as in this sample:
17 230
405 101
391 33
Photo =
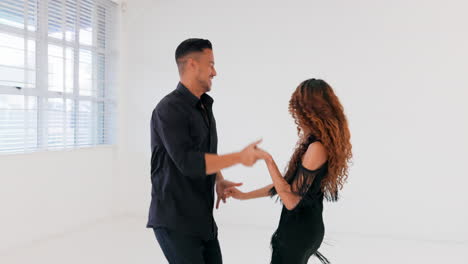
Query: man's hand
250 154
221 186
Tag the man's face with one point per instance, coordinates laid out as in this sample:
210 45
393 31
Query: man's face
205 69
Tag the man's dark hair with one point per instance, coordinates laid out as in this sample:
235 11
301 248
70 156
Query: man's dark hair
191 45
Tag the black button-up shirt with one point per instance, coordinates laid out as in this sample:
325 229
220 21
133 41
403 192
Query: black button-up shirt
183 129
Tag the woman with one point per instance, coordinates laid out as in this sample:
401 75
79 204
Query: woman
318 168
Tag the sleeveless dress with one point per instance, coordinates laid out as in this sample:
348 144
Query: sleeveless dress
300 231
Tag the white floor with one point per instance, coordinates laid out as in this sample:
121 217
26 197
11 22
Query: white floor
125 240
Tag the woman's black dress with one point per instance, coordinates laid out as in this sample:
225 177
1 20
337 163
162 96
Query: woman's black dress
301 230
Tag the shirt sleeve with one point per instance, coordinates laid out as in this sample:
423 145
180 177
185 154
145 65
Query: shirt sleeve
172 126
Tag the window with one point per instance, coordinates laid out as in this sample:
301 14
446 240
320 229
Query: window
57 74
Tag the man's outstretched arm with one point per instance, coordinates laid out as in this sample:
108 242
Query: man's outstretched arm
248 156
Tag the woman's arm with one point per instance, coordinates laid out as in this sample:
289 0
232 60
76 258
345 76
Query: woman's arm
237 194
314 157
262 192
290 200
283 188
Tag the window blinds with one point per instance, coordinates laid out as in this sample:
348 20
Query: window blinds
57 75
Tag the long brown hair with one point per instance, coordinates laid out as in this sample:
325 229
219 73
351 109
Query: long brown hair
319 115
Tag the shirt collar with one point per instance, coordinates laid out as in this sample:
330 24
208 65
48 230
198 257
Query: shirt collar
191 98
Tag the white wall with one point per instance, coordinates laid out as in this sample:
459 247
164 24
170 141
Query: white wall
399 68
46 194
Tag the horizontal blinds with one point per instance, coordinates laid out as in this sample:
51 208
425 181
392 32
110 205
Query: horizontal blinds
56 74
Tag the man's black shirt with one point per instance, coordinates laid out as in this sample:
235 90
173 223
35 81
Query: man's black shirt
183 129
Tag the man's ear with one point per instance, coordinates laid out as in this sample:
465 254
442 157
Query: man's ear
189 64
194 62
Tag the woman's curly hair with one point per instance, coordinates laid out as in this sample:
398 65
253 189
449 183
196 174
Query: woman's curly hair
319 115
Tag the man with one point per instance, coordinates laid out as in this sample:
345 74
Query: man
184 162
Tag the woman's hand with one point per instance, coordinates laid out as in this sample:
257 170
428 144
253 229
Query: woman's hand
235 193
264 155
